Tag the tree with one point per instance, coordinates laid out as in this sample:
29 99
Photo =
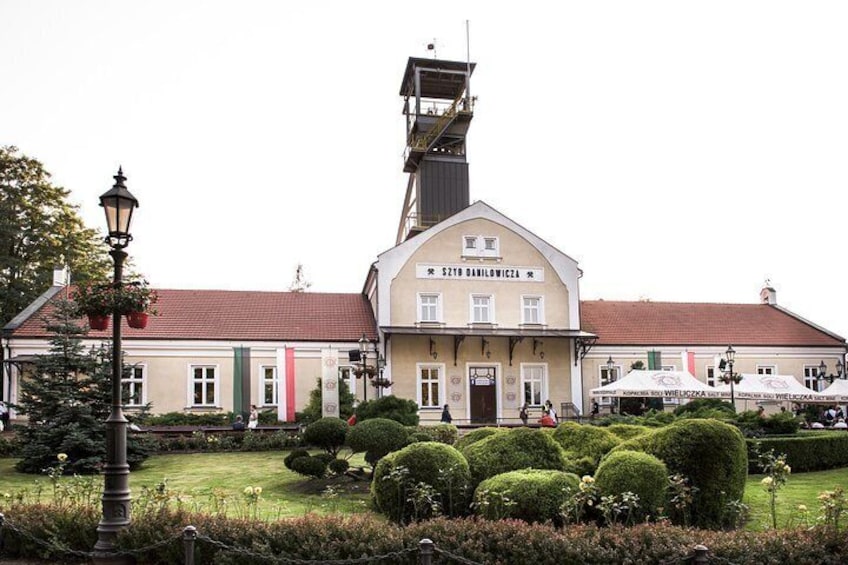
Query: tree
40 229
312 410
67 399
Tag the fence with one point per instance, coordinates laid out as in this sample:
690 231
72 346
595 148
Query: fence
427 551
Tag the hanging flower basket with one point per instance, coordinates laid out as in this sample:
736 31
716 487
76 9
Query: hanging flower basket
381 382
369 371
138 320
98 321
136 296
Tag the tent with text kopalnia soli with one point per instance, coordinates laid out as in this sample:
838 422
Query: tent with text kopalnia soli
666 384
774 387
838 389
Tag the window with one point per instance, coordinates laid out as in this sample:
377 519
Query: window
533 384
204 381
711 375
490 246
429 308
608 376
430 386
470 245
481 309
346 375
531 310
269 385
766 370
132 385
480 246
811 380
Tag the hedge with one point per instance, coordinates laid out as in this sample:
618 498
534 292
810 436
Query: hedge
585 440
518 448
531 495
639 473
809 451
337 537
476 435
711 454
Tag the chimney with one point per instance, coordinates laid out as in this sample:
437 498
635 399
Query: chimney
768 295
60 276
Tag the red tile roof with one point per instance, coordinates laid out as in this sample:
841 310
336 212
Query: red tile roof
243 316
676 323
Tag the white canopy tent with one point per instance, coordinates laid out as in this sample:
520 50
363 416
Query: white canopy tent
838 389
666 384
773 387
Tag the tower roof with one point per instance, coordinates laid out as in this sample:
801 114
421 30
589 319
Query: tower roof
435 82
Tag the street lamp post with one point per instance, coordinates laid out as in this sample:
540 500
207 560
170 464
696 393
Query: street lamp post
730 355
363 358
611 378
119 205
822 374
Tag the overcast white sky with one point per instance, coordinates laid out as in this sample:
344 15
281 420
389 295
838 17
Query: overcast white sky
679 151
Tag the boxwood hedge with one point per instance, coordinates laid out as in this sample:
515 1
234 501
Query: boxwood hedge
532 495
584 440
808 451
636 472
519 448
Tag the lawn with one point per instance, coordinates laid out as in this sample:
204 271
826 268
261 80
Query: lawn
215 482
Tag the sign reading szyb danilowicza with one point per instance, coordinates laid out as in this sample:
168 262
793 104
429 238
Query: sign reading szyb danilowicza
476 273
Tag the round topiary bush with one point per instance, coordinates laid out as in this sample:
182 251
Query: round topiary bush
328 434
585 440
310 466
710 454
376 437
640 473
628 431
389 407
339 466
418 436
476 435
408 482
532 495
294 454
519 448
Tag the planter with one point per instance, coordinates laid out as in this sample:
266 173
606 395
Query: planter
137 320
98 321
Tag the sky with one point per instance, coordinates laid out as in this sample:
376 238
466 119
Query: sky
679 151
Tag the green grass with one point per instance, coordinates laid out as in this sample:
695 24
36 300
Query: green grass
214 481
205 480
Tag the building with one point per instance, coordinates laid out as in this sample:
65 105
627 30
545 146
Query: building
468 309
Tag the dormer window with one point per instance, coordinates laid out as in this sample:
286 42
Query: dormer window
470 245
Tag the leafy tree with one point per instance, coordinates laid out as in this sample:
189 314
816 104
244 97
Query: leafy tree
67 398
312 411
39 229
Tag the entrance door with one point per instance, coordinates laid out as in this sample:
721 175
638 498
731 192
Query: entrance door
483 394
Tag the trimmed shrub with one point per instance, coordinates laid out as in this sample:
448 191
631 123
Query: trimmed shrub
532 495
339 466
294 454
706 408
443 433
408 484
310 466
808 451
782 423
328 434
627 431
415 437
711 454
585 440
476 435
632 471
519 448
377 438
389 407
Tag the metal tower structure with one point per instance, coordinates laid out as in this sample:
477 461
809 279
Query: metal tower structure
438 107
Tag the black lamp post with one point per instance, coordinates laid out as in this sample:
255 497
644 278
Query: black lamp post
822 374
611 378
119 205
729 375
363 359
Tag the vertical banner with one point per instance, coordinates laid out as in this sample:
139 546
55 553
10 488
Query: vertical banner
688 361
654 360
238 379
291 378
329 383
282 389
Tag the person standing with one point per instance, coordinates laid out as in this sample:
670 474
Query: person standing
551 412
4 416
253 419
446 415
523 414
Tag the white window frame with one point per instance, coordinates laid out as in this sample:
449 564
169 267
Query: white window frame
440 381
420 308
132 382
543 382
485 251
766 369
540 309
480 248
351 377
216 380
811 373
710 371
491 308
263 382
469 251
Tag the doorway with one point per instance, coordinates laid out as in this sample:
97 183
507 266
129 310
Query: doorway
483 395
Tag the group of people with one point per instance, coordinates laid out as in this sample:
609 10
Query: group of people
252 420
549 416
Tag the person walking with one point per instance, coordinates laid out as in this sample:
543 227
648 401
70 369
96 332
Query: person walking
523 414
551 412
446 415
253 419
